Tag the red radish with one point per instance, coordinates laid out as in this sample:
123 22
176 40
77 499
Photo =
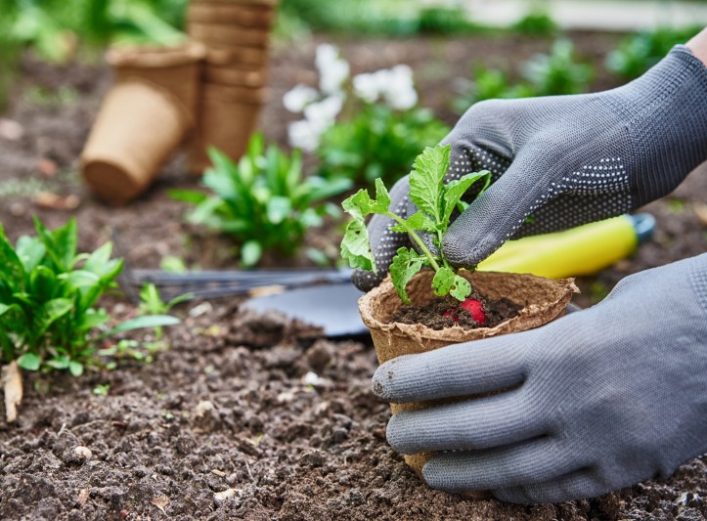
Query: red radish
476 309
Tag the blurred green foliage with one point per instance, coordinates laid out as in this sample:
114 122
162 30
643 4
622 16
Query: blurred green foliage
537 22
383 17
551 74
56 29
378 142
639 52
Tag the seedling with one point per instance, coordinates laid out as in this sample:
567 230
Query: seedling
264 201
48 296
436 202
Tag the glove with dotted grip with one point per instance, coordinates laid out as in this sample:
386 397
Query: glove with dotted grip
562 161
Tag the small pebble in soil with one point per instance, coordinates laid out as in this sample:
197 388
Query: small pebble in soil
224 495
82 453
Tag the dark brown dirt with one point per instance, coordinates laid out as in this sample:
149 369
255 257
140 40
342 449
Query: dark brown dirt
231 405
447 312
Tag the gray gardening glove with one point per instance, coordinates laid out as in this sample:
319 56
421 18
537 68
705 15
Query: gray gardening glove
562 161
595 401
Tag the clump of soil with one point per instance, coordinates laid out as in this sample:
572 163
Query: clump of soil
446 312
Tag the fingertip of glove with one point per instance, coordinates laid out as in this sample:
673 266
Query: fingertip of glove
365 280
465 250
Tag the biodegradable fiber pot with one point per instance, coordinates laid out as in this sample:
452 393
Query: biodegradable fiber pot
543 300
227 118
229 36
143 118
236 77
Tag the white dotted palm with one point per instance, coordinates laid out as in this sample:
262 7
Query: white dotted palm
562 161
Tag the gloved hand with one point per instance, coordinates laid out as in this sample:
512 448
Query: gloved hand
595 401
561 161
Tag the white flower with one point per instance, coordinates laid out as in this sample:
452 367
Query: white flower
400 92
296 99
367 87
333 70
323 113
304 135
325 56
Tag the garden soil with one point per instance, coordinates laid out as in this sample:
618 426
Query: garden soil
253 417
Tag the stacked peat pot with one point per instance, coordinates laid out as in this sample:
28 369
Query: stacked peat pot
143 119
236 34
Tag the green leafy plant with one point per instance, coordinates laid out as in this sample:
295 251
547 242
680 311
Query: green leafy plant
378 142
264 201
151 303
48 296
551 74
537 22
436 202
639 52
557 72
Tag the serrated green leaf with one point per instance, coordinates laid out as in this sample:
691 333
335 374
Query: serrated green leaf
29 362
355 247
454 190
443 281
418 221
427 179
361 205
405 265
461 288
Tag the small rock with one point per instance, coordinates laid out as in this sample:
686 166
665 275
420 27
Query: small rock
339 434
319 355
224 495
203 407
82 453
314 380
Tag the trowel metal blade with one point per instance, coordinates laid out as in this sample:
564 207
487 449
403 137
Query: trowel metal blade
333 307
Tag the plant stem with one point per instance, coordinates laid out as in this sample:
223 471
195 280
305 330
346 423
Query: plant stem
415 237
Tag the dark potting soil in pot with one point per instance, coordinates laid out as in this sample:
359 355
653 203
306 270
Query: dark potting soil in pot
446 312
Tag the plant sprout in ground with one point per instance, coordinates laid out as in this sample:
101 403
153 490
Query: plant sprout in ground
436 202
264 201
48 295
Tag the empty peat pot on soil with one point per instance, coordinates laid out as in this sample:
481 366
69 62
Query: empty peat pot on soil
143 118
539 300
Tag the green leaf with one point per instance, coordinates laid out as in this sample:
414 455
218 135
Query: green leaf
251 252
443 281
75 368
360 204
50 312
11 268
454 190
405 265
43 284
461 288
60 243
427 179
417 221
29 362
147 321
30 251
355 247
278 209
188 196
59 362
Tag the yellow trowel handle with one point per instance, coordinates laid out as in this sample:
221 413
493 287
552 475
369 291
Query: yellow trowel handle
579 251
